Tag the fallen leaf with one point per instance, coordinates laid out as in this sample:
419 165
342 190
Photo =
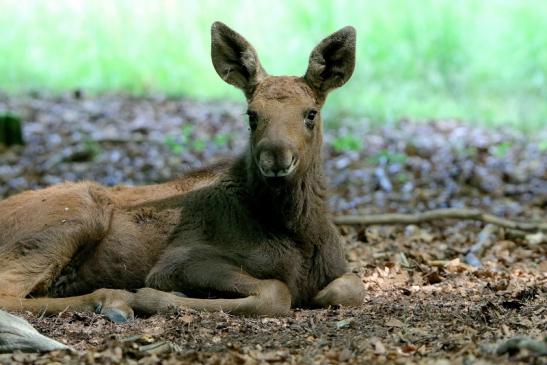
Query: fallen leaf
345 323
433 277
187 318
535 238
408 348
379 347
394 322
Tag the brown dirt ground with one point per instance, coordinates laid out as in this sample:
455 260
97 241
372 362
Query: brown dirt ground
424 305
419 312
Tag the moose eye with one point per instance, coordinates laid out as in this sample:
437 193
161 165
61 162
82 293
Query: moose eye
253 119
310 116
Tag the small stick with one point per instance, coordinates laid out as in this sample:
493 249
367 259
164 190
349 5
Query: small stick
515 344
436 214
484 240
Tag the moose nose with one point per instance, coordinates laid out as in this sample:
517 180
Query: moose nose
276 160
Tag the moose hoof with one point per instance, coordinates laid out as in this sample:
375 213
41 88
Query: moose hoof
113 304
273 300
116 315
347 290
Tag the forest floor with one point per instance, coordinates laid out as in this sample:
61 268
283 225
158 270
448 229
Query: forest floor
425 303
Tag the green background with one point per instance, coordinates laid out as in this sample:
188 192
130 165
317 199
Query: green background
479 61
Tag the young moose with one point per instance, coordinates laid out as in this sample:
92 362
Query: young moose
249 237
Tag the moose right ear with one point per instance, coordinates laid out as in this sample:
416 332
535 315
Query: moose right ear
234 59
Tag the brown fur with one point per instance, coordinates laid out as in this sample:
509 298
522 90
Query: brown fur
251 236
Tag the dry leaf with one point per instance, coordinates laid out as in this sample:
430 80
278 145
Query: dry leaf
433 278
345 323
394 322
187 318
536 238
379 347
408 348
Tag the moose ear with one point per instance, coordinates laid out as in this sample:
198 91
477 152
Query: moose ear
332 61
234 59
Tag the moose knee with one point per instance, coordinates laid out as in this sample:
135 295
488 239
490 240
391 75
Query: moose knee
273 298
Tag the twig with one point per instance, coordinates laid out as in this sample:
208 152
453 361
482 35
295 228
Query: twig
436 214
484 240
160 347
383 179
515 344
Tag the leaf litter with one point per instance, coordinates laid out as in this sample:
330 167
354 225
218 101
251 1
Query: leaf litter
425 303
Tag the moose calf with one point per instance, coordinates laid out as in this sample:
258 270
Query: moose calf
247 237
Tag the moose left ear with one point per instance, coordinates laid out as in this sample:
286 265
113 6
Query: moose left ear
332 62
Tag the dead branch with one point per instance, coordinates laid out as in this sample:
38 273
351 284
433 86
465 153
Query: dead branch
437 214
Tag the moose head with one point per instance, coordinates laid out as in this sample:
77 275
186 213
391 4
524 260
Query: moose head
284 111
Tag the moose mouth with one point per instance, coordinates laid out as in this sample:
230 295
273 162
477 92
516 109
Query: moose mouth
280 174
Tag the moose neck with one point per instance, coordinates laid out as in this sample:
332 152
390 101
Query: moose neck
293 204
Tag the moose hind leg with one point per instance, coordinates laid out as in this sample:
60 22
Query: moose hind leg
113 303
31 264
41 232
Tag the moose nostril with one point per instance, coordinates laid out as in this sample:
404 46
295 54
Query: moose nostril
286 160
267 159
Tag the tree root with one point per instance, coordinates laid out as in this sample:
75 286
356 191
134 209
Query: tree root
436 214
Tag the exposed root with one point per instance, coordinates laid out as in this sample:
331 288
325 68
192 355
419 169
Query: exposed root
436 214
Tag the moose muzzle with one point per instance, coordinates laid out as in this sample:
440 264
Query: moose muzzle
276 159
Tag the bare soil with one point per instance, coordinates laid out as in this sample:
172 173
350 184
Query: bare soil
425 304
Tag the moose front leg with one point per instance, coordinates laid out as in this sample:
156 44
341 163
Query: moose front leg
258 297
271 298
347 290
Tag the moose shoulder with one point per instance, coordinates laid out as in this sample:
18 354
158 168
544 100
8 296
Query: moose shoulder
250 236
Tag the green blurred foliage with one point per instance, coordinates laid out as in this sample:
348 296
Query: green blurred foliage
501 150
483 61
348 142
386 156
185 141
